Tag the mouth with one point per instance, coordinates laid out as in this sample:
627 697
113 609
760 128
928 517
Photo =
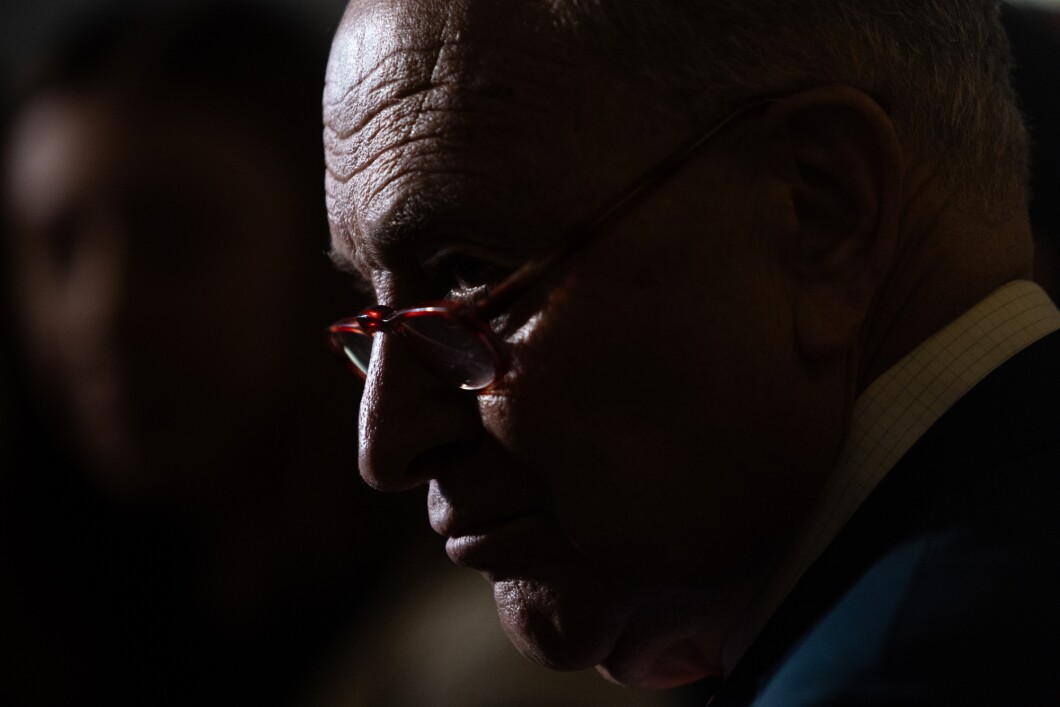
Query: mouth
507 547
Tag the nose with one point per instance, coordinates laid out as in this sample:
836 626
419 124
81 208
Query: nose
409 418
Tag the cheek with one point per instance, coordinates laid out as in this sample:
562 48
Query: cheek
649 423
580 423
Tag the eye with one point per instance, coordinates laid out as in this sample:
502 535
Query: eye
464 272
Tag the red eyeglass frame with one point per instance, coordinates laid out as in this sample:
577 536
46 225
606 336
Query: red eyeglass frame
475 316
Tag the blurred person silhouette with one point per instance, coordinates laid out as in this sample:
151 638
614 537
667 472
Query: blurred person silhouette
180 525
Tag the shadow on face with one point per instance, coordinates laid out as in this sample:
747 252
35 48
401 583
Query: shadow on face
626 480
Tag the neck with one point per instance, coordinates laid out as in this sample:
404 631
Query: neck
950 255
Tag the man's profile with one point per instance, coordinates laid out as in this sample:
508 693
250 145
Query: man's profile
707 325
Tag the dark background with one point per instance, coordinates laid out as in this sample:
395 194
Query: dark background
25 24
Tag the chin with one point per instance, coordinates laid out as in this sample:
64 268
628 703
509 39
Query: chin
558 629
681 663
565 626
666 644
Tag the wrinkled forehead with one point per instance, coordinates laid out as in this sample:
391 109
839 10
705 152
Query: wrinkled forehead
409 71
484 108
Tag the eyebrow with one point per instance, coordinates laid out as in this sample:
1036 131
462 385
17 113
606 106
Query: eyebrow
408 236
345 254
350 257
342 262
345 265
412 232
344 257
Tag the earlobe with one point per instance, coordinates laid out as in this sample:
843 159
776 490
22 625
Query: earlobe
838 160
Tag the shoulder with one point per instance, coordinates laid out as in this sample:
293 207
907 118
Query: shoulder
963 612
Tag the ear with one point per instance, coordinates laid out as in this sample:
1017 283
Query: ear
837 161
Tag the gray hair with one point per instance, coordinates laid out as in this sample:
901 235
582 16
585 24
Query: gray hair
939 67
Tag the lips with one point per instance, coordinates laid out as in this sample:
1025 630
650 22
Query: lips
495 516
474 505
511 547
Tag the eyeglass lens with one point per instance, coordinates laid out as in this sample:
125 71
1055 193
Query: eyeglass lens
448 349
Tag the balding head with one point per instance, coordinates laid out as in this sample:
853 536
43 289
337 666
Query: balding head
426 79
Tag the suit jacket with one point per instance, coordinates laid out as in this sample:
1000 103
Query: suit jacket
944 587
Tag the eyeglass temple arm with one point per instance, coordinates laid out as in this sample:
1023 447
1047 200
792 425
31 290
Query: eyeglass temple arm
576 237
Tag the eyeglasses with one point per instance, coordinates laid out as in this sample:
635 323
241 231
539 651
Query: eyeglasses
454 340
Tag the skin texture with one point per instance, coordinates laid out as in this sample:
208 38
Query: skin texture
678 390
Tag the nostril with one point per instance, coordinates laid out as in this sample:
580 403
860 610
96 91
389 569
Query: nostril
422 468
439 460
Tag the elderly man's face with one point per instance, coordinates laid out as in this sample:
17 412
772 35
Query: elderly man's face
628 479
